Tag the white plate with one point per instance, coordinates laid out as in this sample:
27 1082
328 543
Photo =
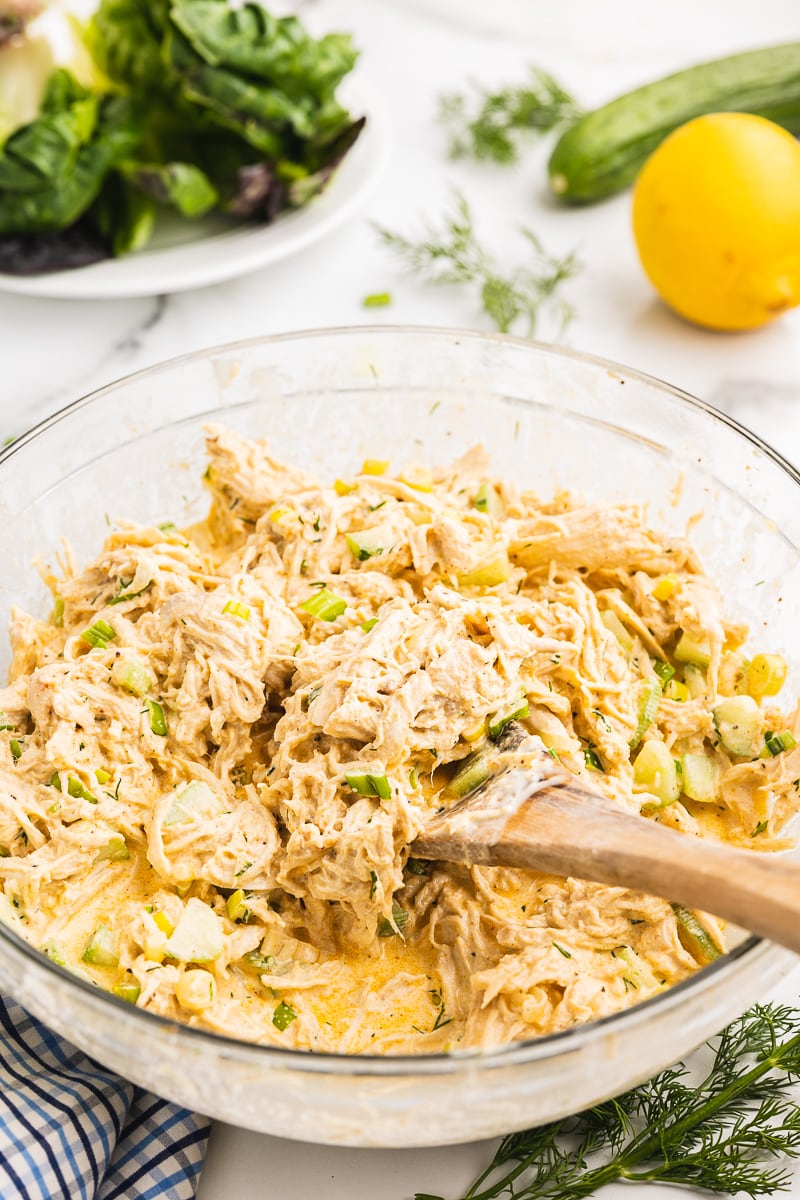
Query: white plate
190 254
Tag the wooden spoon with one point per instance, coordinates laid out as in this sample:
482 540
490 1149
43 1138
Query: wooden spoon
542 818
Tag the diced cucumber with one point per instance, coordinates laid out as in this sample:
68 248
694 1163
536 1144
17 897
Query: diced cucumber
699 777
369 543
114 851
128 990
197 936
487 500
694 937
655 772
102 948
495 570
690 650
739 724
196 802
132 676
615 626
53 952
695 680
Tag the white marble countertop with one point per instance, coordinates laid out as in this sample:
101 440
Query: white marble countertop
54 352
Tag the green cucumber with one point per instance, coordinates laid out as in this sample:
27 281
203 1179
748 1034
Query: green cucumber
603 151
198 935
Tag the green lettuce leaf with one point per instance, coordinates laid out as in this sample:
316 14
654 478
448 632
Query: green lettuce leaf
180 184
52 170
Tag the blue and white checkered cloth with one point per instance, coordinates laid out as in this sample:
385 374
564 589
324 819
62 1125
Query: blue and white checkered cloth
72 1130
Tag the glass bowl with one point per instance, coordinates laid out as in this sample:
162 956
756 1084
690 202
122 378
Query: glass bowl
551 419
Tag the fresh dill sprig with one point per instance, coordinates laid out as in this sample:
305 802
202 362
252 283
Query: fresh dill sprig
490 125
453 255
719 1135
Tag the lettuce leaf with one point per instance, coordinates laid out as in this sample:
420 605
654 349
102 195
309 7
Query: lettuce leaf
52 169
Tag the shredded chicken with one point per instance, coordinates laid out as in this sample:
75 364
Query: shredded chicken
217 751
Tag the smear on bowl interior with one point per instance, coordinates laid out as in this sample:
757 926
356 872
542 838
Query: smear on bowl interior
218 749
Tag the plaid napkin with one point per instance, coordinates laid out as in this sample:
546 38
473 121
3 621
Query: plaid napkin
71 1130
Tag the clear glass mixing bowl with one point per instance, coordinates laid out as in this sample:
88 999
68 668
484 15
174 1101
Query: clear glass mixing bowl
326 400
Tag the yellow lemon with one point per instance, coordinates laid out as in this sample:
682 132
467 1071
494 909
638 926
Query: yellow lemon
716 217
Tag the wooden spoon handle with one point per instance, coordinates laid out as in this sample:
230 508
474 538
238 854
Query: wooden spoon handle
564 830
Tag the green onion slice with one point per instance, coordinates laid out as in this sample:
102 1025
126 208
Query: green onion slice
283 1016
99 635
778 742
158 722
324 605
367 784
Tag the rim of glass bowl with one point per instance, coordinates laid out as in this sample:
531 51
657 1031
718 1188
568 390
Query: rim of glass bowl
513 1053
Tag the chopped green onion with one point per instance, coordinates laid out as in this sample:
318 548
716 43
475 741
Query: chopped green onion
694 937
98 635
377 300
283 1016
498 722
15 748
115 851
262 962
474 771
53 952
236 906
158 722
418 866
4 722
167 526
122 595
561 950
237 609
593 760
387 928
128 991
102 949
369 625
689 650
58 612
778 742
663 670
54 781
78 792
648 707
324 605
367 784
487 500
